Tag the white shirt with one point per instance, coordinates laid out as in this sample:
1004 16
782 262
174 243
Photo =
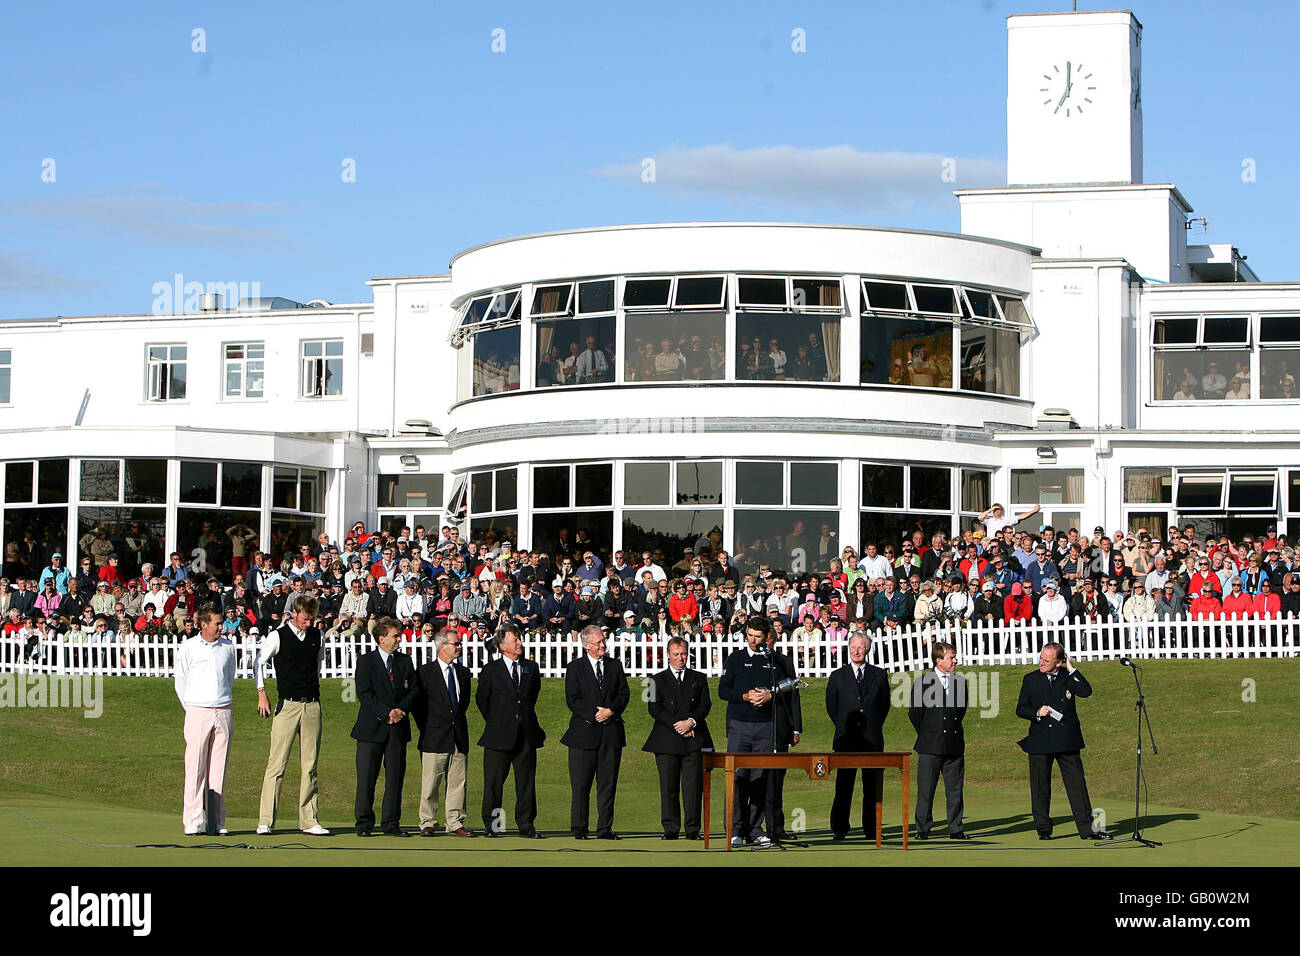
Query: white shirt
877 567
270 646
205 672
409 604
1052 609
993 525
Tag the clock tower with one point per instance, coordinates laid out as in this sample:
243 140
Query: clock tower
1074 98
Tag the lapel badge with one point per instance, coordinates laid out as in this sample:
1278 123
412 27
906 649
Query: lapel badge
1068 695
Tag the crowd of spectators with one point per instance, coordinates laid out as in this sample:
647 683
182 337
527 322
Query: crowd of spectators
427 583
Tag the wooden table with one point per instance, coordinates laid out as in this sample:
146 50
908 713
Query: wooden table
818 766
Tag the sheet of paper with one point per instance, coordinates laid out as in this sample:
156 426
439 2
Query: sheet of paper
1056 714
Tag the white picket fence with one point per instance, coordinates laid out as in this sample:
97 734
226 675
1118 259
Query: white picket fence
906 649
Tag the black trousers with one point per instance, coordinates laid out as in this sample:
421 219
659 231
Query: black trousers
873 782
684 773
1076 788
600 765
929 767
774 805
497 765
750 793
392 754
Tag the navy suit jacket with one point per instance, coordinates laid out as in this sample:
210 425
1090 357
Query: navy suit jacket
582 694
1046 734
509 715
378 696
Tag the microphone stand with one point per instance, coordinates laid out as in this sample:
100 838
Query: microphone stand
769 775
1141 708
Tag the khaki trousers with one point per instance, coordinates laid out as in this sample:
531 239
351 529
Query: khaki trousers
433 767
292 719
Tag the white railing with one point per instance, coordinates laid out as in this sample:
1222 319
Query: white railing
905 649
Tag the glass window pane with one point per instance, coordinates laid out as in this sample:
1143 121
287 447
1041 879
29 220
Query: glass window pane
311 491
502 306
290 532
597 296
241 484
284 489
1293 492
496 361
886 295
670 347
576 351
900 351
1200 491
1060 486
594 486
43 530
480 492
135 535
646 292
981 304
19 481
882 486
1203 374
1277 372
474 313
761 291
699 483
1175 330
699 290
891 528
507 486
5 376
1148 486
931 488
53 488
759 483
789 347
816 294
931 298
1251 491
814 483
667 532
990 360
495 529
199 482
146 481
975 490
551 487
1279 328
790 542
219 543
552 299
410 491
646 483
1231 328
597 525
99 480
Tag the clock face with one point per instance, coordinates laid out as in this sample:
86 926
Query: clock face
1067 88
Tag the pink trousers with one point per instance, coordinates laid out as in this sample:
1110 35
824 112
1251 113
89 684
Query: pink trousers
207 753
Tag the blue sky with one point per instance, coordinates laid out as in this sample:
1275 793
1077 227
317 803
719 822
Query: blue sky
226 165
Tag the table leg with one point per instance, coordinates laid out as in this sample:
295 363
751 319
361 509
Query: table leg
730 781
907 826
880 807
708 781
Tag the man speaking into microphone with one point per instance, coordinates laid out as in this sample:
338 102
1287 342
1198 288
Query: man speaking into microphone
747 679
1047 701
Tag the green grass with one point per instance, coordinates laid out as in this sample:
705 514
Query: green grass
1223 785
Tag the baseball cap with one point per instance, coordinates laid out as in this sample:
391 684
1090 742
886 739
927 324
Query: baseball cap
631 614
1051 584
57 554
254 631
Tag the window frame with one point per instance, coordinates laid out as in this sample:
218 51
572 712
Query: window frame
307 375
159 376
6 376
242 363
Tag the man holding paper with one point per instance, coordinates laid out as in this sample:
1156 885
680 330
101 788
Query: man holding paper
1047 701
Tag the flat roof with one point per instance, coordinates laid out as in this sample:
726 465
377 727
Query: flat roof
1032 250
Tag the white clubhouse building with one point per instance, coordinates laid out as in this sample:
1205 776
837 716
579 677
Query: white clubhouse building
655 384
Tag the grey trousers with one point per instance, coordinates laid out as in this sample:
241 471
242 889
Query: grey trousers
929 767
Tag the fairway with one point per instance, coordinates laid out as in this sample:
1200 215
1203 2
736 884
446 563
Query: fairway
1223 786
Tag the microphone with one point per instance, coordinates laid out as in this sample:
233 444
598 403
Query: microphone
1128 663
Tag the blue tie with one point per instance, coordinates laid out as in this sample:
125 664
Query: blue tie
451 687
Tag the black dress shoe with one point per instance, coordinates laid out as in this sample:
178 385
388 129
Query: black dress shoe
785 836
395 832
923 836
533 835
491 834
1044 836
958 836
364 833
1100 835
670 836
608 835
580 836
839 837
694 836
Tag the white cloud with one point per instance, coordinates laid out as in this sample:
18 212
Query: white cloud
19 274
155 218
883 182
